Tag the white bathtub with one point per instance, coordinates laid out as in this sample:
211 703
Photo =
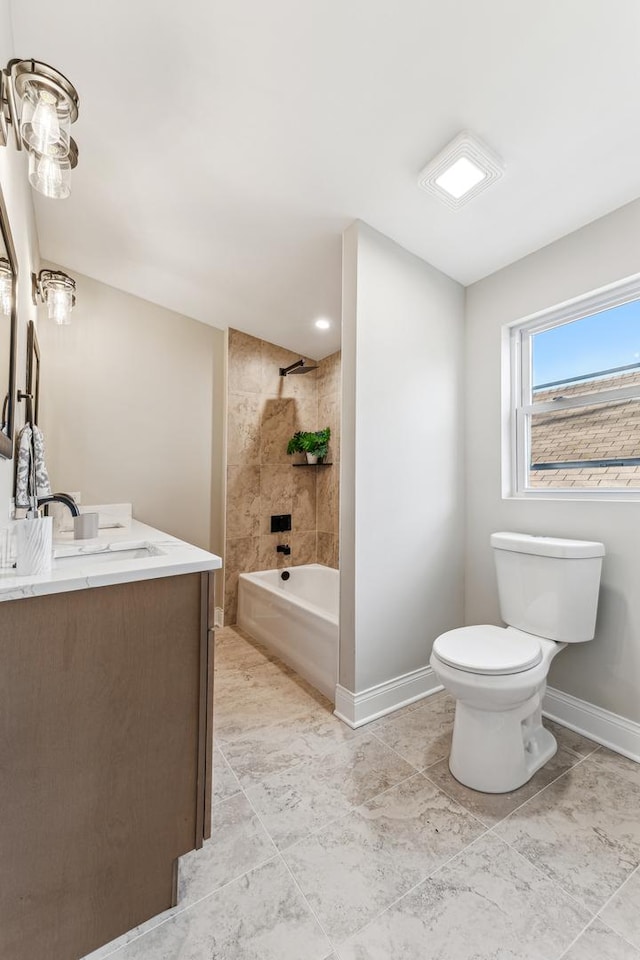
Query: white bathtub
296 618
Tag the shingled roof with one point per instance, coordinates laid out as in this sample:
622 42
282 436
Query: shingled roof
600 432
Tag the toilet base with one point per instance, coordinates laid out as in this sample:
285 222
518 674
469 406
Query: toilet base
499 751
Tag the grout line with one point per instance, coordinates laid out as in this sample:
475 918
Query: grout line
298 763
493 826
180 911
542 790
576 938
615 894
290 872
609 927
550 879
413 888
604 924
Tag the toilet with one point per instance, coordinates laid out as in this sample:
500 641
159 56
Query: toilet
548 591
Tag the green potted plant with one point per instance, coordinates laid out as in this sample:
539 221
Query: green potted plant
315 444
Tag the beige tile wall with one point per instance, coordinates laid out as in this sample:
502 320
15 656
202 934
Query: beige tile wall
328 478
264 410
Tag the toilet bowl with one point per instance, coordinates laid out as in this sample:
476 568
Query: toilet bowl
498 675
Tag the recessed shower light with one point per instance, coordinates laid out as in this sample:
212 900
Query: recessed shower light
461 171
323 324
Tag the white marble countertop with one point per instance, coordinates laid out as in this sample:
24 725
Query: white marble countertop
121 555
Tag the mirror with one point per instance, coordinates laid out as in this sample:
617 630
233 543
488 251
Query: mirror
8 324
32 395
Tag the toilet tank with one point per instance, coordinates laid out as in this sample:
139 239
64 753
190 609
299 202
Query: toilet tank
548 587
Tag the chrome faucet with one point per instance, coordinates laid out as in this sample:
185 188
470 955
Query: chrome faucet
60 498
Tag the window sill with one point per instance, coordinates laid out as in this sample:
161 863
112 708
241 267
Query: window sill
609 496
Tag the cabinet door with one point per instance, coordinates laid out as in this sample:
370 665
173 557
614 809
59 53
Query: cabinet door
101 702
205 744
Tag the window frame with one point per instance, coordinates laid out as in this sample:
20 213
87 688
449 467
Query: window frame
521 405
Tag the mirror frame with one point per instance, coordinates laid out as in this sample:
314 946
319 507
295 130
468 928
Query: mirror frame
6 439
33 375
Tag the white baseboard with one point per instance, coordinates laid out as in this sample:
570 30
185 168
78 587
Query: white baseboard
601 725
356 709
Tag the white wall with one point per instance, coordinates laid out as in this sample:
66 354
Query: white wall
606 671
17 196
131 410
402 498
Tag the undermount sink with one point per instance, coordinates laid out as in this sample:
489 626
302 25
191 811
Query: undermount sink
111 554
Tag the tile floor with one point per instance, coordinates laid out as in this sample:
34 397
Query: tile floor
334 844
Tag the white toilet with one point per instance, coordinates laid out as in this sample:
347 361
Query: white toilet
548 592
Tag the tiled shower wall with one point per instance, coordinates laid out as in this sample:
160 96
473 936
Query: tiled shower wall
328 478
264 411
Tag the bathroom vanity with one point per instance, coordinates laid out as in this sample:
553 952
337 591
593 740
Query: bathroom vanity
106 687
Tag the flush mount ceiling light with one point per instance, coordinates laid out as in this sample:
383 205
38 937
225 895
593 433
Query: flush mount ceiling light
322 323
461 171
41 104
58 291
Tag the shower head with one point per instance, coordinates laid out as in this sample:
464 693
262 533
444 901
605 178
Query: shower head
298 367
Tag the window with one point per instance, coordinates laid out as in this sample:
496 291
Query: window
576 384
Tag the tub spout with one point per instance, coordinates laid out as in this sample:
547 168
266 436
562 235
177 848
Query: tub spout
284 548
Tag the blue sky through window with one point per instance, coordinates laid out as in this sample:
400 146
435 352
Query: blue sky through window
603 340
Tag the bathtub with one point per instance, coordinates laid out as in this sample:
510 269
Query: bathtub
296 618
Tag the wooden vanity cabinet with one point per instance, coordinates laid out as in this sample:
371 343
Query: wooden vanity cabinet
105 759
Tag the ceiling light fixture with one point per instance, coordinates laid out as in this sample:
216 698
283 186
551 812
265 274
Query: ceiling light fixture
58 291
40 104
461 171
323 324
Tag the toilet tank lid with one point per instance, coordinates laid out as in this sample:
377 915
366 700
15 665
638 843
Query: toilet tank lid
547 546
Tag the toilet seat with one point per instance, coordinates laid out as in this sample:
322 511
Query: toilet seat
488 650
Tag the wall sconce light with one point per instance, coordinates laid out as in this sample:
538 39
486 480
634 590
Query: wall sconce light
41 104
58 291
6 287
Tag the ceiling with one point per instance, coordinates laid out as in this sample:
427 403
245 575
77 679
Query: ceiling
225 144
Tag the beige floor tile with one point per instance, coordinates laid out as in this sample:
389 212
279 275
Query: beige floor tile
599 942
278 746
261 916
225 782
421 736
403 711
234 652
486 904
298 801
583 830
570 740
238 843
109 949
607 760
356 867
493 807
367 828
265 695
623 912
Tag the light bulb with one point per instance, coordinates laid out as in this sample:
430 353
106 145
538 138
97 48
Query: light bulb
50 176
45 122
59 304
6 287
